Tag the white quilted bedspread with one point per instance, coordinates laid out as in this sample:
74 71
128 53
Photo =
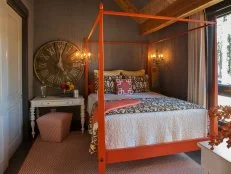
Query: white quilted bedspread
130 130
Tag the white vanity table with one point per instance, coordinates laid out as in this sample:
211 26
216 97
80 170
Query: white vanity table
55 101
217 161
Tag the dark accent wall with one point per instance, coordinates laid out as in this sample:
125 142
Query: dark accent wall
57 19
127 57
72 20
174 69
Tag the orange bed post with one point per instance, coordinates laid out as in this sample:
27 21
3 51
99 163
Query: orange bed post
93 27
155 150
101 121
86 71
214 102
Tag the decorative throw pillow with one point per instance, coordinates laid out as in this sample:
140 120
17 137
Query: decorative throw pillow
139 83
123 86
109 84
133 73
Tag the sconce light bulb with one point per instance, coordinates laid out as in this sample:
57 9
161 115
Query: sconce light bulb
77 54
89 54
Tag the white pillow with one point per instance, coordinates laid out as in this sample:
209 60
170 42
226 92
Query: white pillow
133 73
108 73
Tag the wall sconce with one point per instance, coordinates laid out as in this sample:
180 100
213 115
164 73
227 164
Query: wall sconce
80 57
157 57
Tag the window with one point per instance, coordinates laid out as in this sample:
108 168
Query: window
224 49
224 59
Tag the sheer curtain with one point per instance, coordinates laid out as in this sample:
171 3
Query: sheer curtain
4 132
196 62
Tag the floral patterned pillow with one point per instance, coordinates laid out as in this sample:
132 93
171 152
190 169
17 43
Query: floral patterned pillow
123 86
139 83
109 84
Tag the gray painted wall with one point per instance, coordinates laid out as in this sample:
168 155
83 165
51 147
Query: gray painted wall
174 69
72 20
57 19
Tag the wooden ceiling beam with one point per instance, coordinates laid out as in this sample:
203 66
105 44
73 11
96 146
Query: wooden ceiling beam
127 6
155 6
180 8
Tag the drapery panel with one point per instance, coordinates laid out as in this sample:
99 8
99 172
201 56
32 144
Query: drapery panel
197 62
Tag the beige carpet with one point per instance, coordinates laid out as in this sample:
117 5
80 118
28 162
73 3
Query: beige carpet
72 157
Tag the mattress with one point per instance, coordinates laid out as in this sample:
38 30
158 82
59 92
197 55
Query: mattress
137 129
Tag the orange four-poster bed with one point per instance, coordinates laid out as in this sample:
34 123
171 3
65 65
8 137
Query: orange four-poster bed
125 154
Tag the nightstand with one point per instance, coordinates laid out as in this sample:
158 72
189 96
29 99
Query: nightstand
55 101
217 161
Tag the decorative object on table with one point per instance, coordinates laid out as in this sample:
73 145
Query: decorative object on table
54 126
76 93
43 91
221 113
58 61
67 89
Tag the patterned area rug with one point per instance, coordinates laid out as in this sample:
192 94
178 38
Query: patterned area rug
72 157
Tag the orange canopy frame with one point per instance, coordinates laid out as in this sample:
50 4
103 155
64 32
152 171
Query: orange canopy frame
119 155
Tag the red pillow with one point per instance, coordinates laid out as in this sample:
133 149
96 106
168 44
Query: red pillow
123 86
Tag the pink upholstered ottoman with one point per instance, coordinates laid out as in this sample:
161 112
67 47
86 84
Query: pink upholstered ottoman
54 126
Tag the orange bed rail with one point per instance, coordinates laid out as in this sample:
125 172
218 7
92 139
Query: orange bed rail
149 151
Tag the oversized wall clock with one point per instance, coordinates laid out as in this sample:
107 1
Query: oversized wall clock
55 63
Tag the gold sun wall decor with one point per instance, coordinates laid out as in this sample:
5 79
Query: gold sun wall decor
56 62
